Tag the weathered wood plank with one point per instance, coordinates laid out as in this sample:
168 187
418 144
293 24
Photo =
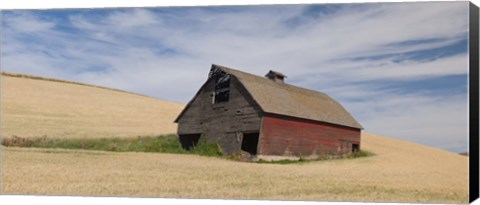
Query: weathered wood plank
219 122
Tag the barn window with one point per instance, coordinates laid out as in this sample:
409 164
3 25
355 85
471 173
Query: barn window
222 88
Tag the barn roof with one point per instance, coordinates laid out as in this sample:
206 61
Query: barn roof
289 100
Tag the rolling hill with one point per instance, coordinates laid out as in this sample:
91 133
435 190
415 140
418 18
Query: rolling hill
35 106
399 171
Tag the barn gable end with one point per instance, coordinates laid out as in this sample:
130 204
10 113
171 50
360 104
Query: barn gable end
223 122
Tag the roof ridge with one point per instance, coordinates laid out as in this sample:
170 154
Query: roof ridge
268 80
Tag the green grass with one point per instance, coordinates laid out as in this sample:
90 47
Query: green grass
162 143
359 154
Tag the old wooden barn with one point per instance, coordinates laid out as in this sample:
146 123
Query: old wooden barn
266 117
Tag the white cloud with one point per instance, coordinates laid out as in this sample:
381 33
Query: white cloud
428 120
26 23
131 18
166 53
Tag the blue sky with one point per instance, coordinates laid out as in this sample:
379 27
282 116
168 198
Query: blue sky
400 68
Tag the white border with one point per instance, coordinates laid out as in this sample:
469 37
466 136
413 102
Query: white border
59 4
79 200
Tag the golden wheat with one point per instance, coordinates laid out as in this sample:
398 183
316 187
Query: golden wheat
36 107
400 171
32 106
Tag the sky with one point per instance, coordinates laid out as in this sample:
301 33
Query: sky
401 69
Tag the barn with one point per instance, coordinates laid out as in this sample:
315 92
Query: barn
266 117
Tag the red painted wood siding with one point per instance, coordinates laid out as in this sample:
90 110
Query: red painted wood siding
283 135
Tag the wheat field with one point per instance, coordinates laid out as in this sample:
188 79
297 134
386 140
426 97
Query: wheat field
399 172
36 107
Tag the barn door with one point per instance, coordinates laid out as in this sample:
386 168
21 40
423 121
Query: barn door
189 141
250 143
355 148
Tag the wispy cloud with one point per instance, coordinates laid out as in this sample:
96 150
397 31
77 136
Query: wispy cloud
27 23
348 51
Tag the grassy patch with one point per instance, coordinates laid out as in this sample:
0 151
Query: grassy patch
355 155
205 149
162 143
362 153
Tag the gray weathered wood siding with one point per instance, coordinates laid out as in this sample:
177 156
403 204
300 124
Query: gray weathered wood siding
223 122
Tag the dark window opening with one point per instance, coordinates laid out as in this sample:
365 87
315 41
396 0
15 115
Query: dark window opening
222 88
250 142
355 148
189 141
